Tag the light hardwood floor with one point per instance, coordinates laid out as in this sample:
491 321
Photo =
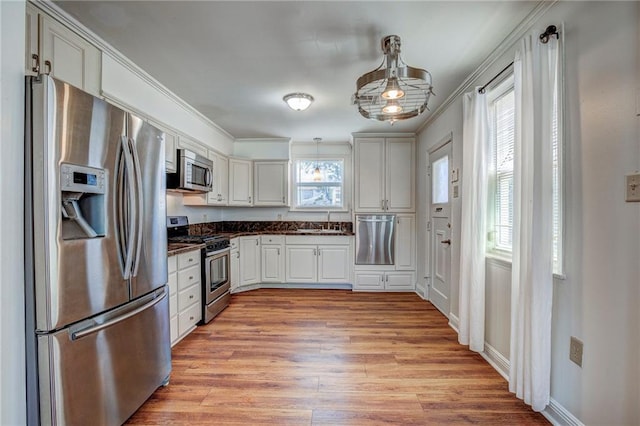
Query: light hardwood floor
330 357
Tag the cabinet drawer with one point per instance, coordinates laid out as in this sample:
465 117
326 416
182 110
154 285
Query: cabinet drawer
369 282
173 305
172 263
272 239
188 277
173 283
189 318
189 258
188 297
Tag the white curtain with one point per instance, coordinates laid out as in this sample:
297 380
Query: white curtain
536 74
475 163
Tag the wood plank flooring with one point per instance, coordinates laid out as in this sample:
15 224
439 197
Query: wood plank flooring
330 357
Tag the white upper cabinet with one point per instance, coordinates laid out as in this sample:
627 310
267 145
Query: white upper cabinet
271 183
219 195
240 182
385 174
52 48
170 143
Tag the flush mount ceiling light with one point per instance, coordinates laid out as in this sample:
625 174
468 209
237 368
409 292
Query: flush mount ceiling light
298 101
393 91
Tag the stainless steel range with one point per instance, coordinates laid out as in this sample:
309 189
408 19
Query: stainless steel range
215 265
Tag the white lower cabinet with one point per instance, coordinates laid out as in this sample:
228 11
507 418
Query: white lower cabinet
185 294
385 280
249 249
309 262
234 264
272 248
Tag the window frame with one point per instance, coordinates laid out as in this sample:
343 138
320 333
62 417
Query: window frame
502 88
295 184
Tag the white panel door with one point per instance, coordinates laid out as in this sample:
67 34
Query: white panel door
272 264
240 182
68 57
301 264
440 203
369 174
400 174
405 242
333 264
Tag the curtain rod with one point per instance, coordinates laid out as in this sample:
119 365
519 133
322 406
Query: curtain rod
551 30
481 90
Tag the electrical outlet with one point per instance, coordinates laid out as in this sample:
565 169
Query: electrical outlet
633 187
575 351
204 218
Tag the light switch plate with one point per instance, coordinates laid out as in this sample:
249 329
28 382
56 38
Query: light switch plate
632 185
454 175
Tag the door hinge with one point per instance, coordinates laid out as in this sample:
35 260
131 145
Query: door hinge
429 226
429 171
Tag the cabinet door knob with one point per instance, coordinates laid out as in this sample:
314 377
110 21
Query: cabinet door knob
190 277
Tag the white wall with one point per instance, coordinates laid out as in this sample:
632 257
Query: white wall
598 302
12 353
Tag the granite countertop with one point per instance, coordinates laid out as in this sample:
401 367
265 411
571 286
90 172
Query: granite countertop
177 248
235 234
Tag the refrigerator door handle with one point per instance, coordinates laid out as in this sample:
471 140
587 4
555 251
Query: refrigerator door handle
87 331
132 225
139 213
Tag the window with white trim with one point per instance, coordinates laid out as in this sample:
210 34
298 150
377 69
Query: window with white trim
318 184
502 117
502 122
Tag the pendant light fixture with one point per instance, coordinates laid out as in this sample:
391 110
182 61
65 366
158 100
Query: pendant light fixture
393 91
317 175
298 101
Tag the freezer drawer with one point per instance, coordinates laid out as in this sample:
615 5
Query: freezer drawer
103 374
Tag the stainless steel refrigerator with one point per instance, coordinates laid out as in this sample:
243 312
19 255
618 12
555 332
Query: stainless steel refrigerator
97 311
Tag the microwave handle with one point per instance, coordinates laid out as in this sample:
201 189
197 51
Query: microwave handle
208 177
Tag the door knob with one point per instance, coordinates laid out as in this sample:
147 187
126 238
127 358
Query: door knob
446 242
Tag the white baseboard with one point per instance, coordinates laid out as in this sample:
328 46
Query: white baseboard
454 321
498 361
323 286
560 416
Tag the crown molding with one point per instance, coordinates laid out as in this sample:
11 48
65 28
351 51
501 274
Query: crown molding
63 17
525 25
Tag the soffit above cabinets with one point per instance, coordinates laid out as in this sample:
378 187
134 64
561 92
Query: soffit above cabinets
235 60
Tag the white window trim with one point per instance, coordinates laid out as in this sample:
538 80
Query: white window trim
505 85
346 182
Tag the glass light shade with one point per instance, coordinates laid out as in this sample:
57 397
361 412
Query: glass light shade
298 101
317 176
393 90
392 107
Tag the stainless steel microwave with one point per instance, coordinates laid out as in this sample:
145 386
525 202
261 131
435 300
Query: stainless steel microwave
194 173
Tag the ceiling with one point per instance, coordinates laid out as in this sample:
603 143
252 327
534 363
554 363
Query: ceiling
235 60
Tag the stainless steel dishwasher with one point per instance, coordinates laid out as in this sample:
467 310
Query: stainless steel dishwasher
375 239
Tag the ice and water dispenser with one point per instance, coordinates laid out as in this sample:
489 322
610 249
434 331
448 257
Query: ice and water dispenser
82 191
